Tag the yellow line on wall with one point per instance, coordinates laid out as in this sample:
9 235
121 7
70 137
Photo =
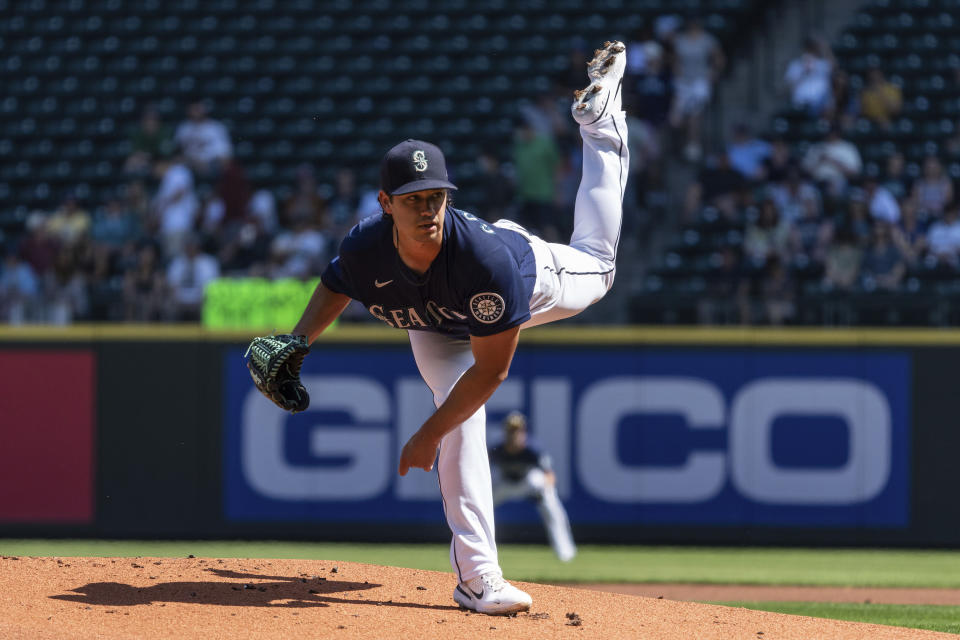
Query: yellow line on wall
572 335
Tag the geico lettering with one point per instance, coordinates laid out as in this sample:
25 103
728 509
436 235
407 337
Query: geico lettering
367 448
746 465
604 405
753 471
862 407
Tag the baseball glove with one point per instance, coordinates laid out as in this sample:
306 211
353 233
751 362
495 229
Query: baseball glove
274 365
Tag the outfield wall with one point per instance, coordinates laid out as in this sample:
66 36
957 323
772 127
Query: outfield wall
657 435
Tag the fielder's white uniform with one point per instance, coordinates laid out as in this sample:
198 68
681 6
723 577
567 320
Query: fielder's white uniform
522 475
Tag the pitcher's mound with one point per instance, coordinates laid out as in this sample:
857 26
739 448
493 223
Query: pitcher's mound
181 598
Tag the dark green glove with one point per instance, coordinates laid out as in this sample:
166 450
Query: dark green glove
274 364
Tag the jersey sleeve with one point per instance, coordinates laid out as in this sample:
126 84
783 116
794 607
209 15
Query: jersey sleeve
498 299
337 276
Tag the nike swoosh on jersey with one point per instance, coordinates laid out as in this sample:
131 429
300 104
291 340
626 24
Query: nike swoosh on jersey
379 284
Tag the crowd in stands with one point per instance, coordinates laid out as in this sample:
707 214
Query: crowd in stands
184 211
184 214
817 218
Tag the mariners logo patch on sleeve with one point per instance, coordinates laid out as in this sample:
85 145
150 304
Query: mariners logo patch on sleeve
487 307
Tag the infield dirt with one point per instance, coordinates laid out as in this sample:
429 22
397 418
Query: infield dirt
148 598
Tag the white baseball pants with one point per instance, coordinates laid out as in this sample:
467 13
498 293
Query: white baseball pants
569 279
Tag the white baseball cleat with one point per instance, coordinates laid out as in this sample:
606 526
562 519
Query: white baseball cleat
491 594
602 96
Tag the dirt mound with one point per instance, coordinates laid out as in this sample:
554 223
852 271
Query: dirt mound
149 598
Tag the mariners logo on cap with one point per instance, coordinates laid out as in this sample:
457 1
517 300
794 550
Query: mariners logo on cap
486 307
419 160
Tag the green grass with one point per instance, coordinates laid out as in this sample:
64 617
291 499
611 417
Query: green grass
828 567
930 617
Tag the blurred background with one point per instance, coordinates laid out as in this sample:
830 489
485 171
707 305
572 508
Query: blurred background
174 175
793 162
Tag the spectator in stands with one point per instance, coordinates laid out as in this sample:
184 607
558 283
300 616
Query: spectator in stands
496 183
65 290
545 116
881 203
650 97
571 76
368 203
102 280
70 223
844 104
175 205
934 189
777 292
795 197
884 264
748 153
205 142
150 141
234 191
811 236
651 92
718 185
188 275
342 205
698 61
646 155
263 210
536 160
943 238
880 99
667 26
300 252
642 52
305 203
841 265
244 249
114 225
808 77
833 162
910 234
38 247
725 299
780 160
895 178
19 290
768 235
144 286
857 218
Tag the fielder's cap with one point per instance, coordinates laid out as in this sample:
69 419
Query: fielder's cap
413 165
515 421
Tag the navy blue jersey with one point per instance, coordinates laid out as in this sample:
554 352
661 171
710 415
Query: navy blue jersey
478 285
515 466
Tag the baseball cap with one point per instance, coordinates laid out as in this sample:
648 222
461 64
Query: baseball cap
413 165
514 420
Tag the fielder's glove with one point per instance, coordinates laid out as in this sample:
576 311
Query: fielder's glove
275 368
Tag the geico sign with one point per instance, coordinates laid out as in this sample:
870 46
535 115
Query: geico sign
381 419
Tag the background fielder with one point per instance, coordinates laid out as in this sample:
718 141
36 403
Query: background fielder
521 471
